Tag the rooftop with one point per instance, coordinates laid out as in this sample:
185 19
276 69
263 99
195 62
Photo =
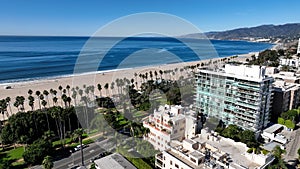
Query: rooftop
115 161
285 86
273 128
285 75
246 72
187 162
235 151
271 145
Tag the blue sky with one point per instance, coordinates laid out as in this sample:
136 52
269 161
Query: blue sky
84 17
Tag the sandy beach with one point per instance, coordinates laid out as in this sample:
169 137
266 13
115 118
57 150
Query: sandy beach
21 88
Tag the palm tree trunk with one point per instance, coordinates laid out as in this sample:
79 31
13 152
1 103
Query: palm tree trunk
61 134
39 103
10 108
87 118
81 150
64 136
70 127
47 121
57 127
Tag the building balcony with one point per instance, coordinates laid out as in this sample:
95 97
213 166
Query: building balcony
158 164
159 156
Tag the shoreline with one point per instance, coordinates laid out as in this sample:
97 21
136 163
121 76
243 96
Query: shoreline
91 78
25 80
20 88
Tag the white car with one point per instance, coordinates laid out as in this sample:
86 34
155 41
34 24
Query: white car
77 148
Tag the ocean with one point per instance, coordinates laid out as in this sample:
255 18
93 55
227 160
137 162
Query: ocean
24 58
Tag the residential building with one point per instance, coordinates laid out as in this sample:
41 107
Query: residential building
286 96
115 161
289 77
292 62
273 133
237 94
206 152
169 123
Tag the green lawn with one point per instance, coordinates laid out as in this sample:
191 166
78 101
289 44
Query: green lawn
12 154
15 154
140 114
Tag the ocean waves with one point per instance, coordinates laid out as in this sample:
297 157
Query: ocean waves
28 58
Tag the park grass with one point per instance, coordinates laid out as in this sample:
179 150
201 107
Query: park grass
68 140
13 155
140 114
16 154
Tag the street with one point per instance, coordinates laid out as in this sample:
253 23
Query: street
292 148
74 159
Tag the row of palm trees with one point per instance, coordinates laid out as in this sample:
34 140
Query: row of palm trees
65 98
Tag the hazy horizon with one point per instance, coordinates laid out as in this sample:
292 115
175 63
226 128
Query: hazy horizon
81 18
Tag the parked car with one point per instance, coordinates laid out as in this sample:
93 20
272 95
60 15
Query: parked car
77 148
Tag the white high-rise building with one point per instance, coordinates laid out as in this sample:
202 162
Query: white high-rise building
171 123
238 94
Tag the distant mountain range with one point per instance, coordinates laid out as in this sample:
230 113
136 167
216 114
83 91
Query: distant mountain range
272 32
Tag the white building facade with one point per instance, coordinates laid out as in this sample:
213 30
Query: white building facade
171 123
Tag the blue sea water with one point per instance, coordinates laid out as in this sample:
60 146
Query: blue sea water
25 58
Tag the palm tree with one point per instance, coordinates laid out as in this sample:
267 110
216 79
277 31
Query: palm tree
64 91
69 101
80 92
56 115
146 75
74 95
8 103
48 162
60 89
77 134
30 92
151 75
99 89
31 102
68 88
112 86
64 98
106 88
20 101
16 104
92 89
54 100
46 93
38 93
3 107
44 103
118 85
277 152
86 100
155 74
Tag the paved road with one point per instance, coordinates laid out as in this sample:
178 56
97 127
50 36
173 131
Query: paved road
293 147
75 159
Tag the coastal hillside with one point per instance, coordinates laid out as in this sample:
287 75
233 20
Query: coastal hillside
268 33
